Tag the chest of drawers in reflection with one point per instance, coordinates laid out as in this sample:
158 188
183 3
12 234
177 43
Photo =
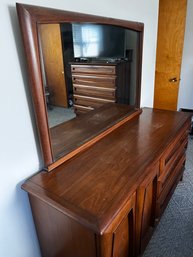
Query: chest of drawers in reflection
97 84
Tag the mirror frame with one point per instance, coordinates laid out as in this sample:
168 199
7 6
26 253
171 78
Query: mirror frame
29 18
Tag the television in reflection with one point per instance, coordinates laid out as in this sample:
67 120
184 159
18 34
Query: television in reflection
98 41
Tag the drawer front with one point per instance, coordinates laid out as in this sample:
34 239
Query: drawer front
168 187
96 81
104 93
90 101
172 161
178 165
170 155
78 109
96 69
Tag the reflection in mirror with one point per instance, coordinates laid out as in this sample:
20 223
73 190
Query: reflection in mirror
86 67
56 73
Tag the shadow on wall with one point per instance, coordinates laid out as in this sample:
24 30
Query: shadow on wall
23 67
23 206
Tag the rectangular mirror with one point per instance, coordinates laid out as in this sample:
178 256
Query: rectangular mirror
85 75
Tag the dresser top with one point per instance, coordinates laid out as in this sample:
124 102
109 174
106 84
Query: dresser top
94 185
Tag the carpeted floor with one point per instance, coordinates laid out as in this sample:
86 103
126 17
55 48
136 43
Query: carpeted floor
173 236
58 115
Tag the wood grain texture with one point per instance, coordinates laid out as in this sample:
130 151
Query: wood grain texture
69 136
171 27
65 238
105 201
125 156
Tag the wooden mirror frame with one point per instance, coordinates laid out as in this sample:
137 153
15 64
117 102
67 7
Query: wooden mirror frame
29 18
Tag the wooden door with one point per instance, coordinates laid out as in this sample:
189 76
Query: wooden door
52 54
171 26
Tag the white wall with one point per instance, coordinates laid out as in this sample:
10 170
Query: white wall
185 99
20 153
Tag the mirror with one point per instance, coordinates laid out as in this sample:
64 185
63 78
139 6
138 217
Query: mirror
84 74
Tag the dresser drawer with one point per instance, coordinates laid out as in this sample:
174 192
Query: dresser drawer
78 109
172 160
96 81
170 155
97 69
172 171
167 187
105 93
90 101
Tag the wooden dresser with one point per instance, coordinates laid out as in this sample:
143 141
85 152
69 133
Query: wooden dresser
106 201
95 84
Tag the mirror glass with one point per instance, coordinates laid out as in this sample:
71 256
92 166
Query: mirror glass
86 67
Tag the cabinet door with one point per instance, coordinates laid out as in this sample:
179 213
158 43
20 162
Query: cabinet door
123 237
119 238
146 209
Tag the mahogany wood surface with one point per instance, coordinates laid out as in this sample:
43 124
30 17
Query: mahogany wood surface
94 186
61 228
123 118
69 135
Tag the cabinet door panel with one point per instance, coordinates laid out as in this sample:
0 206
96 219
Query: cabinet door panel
119 238
149 211
123 237
146 209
